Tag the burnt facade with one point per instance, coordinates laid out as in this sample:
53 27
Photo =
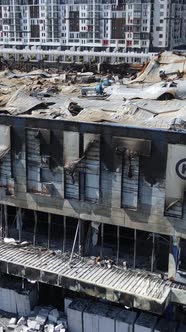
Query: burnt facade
113 181
105 159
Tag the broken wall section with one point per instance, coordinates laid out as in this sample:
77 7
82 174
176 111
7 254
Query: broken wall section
15 299
44 155
6 170
82 166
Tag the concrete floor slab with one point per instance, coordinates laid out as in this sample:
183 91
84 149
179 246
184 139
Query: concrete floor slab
132 288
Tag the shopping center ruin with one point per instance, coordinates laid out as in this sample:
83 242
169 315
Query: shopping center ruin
94 206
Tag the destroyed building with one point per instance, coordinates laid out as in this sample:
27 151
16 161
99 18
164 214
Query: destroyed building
125 25
92 189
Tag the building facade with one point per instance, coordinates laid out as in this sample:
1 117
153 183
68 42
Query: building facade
94 190
112 25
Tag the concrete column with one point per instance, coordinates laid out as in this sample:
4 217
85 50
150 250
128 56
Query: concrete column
67 23
49 229
35 227
19 223
99 68
64 234
173 257
1 222
81 238
6 220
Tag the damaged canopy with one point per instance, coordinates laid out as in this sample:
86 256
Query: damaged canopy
163 90
171 63
21 103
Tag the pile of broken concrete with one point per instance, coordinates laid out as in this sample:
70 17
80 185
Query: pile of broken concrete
46 319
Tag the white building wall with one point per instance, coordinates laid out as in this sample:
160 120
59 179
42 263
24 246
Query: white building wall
95 28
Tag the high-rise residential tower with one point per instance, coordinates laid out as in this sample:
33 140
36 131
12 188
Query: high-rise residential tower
129 25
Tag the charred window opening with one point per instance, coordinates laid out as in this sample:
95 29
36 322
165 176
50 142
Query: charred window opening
82 175
129 248
21 226
75 238
6 161
144 250
71 161
130 180
90 168
33 160
56 150
175 181
71 185
43 177
182 260
45 147
162 247
47 231
152 251
127 153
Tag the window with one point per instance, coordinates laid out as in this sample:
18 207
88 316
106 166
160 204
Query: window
130 179
71 174
91 167
6 169
42 161
159 28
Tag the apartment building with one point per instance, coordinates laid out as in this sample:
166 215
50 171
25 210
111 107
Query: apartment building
126 25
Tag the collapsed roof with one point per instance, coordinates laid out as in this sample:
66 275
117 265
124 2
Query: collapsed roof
172 63
155 99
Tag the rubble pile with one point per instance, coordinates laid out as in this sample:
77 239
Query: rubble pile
27 64
41 319
153 98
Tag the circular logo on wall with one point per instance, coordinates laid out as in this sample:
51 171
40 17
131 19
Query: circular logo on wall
181 169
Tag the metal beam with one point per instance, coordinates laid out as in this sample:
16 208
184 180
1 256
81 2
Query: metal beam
135 240
1 222
75 239
102 240
6 220
81 237
35 227
64 234
118 244
153 252
19 222
49 229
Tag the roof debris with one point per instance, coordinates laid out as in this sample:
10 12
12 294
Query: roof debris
156 98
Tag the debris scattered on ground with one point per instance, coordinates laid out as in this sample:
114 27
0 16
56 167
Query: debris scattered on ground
41 319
